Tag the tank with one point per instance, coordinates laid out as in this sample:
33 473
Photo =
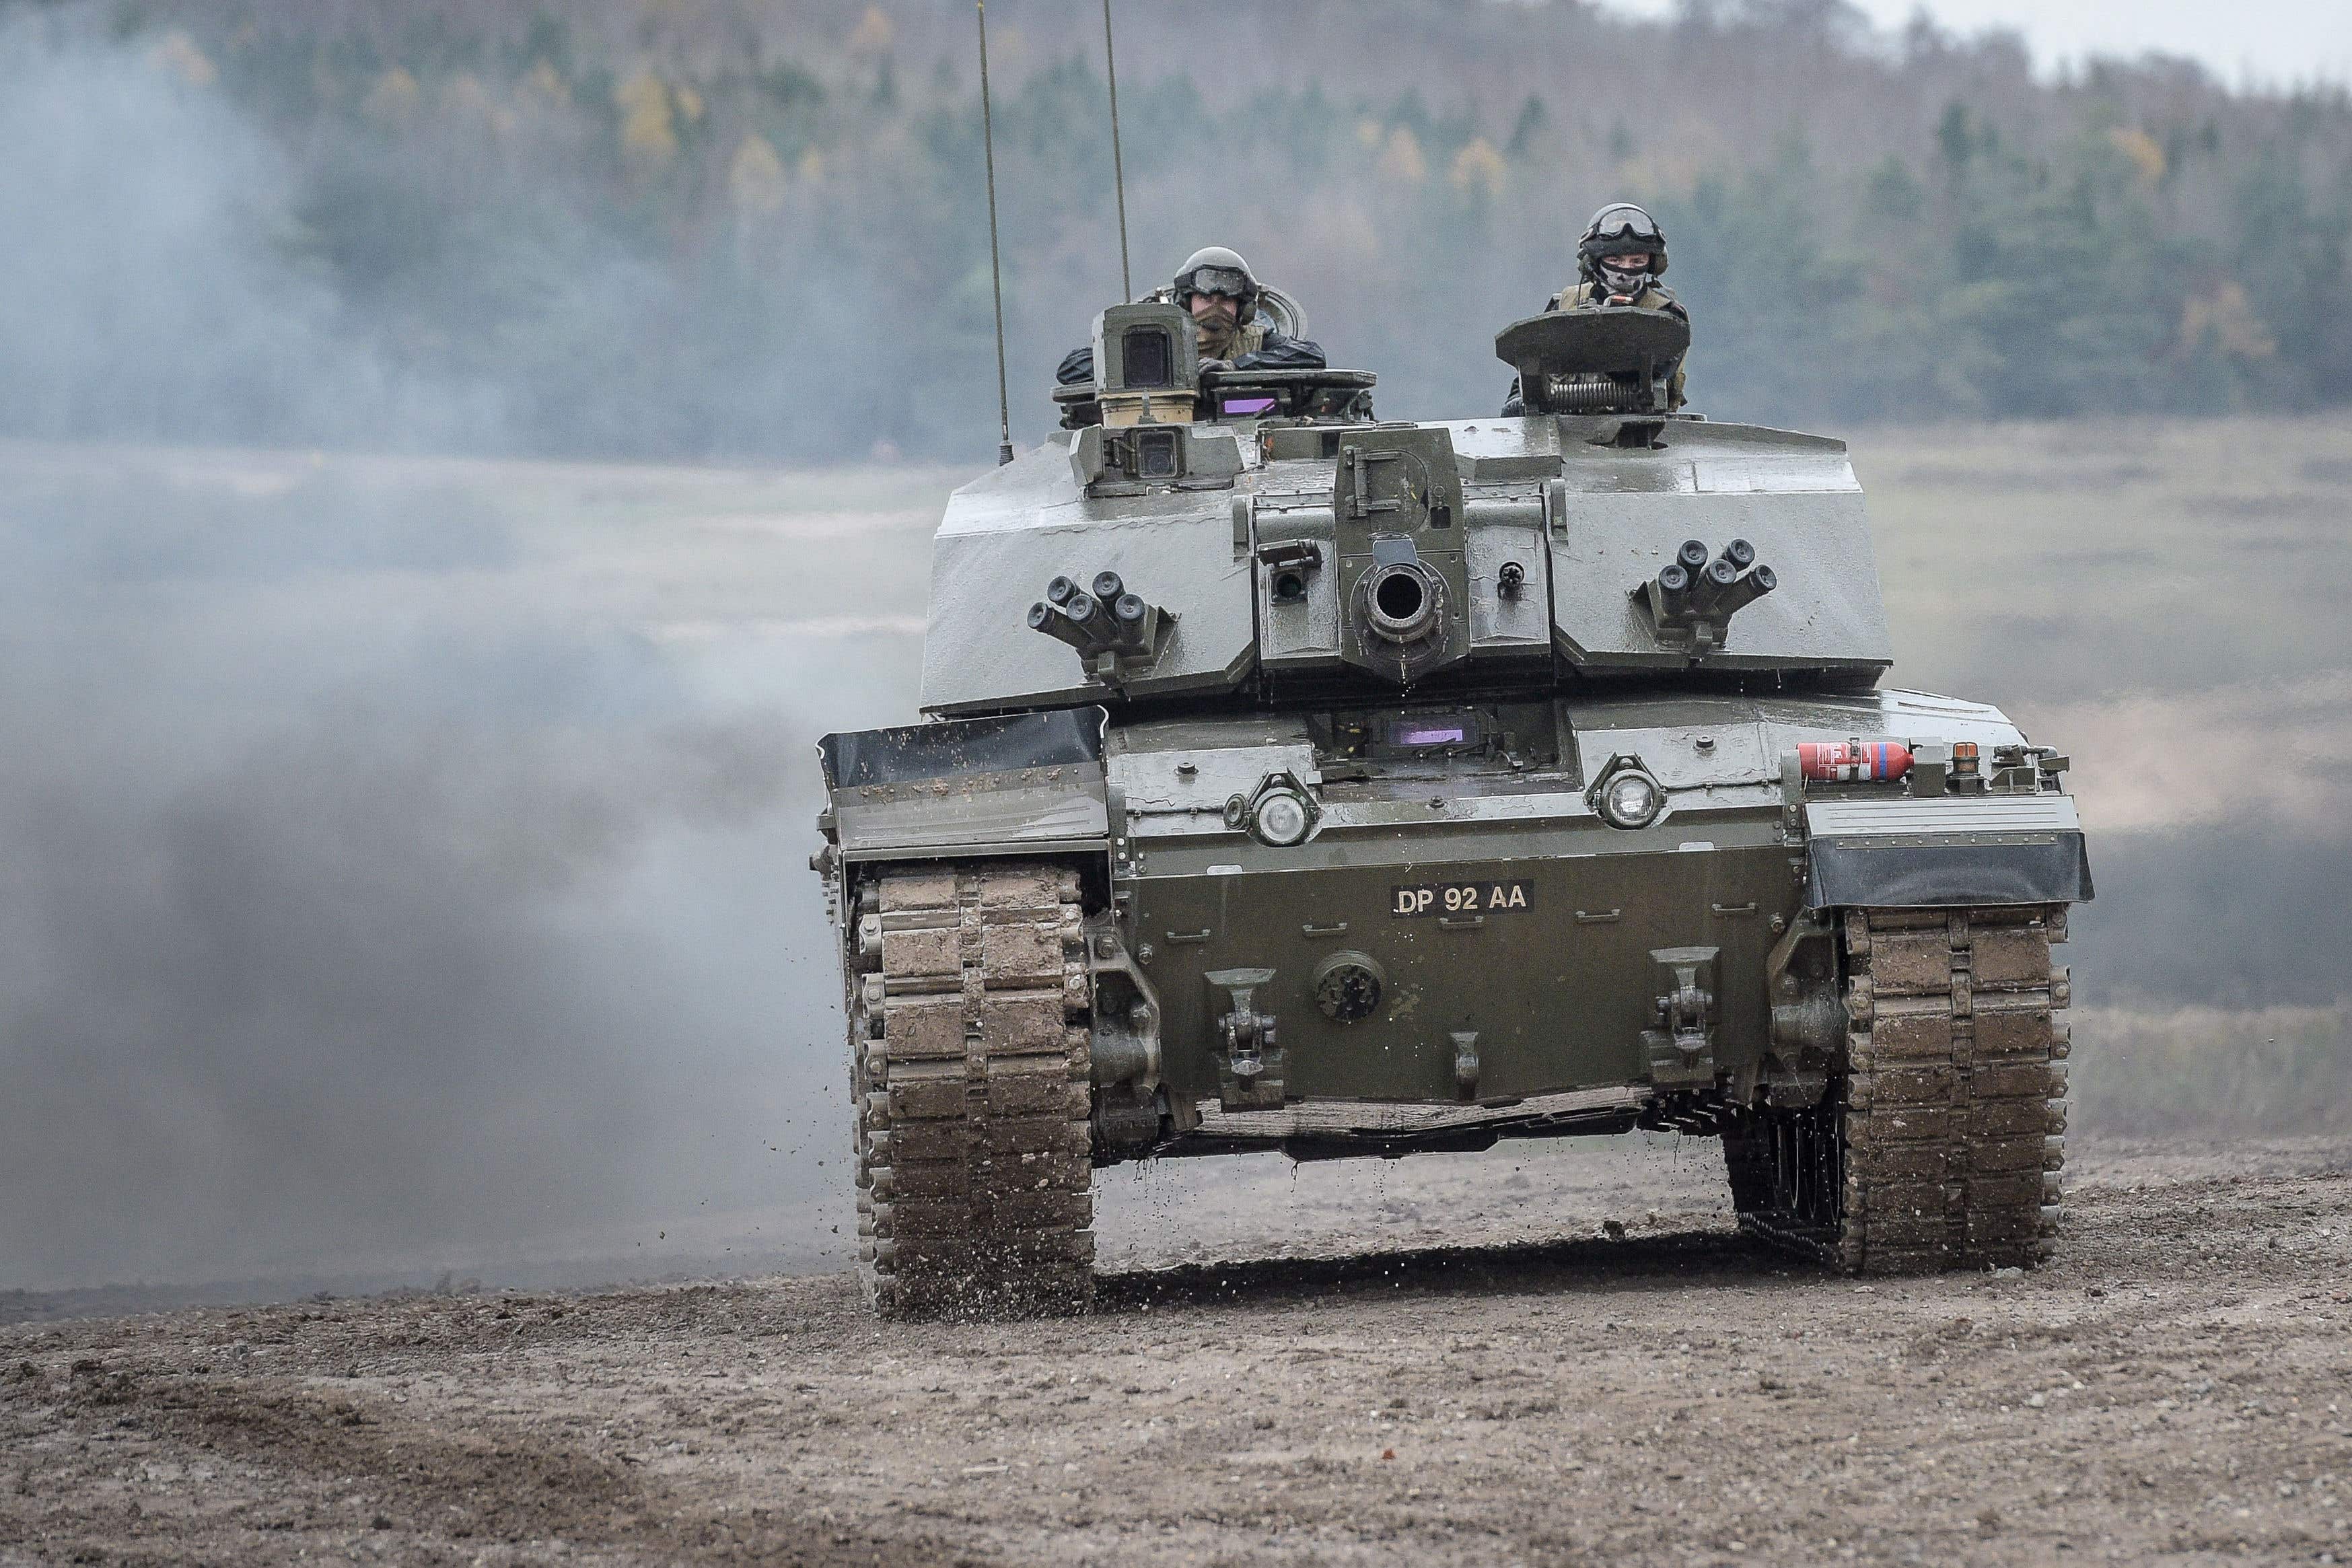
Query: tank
1295 780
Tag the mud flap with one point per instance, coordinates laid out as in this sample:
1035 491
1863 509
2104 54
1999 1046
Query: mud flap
1944 854
969 786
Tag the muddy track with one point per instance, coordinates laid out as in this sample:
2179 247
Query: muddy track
2172 1386
1941 1146
968 1033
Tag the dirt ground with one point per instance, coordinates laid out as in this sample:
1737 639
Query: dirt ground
1450 1361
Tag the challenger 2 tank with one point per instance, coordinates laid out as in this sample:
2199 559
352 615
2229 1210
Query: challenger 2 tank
1295 780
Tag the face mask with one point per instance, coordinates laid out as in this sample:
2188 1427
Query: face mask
1616 282
1216 329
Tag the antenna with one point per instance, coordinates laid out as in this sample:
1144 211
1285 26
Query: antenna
1118 169
995 260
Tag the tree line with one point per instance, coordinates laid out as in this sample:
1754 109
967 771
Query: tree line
749 228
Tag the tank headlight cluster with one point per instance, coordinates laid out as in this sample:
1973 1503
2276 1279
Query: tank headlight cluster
1631 800
1281 817
1279 812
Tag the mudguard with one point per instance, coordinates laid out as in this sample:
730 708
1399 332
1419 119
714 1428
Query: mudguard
969 786
1937 853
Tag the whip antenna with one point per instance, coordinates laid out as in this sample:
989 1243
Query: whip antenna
1118 169
995 260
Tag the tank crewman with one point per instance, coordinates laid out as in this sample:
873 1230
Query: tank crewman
1618 260
1216 286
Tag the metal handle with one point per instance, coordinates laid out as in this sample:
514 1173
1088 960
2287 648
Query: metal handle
1311 929
1603 919
1727 910
1463 922
1184 938
1555 505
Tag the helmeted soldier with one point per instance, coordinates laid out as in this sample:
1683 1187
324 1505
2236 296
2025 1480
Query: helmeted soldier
1216 287
1619 258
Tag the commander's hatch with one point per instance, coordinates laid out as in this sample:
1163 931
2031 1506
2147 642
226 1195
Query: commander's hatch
1595 359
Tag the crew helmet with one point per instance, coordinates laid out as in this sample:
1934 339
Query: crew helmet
1618 229
1214 269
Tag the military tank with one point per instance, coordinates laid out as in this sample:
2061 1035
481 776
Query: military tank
1295 780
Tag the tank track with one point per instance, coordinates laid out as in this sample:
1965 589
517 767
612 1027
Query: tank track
969 1063
1940 1146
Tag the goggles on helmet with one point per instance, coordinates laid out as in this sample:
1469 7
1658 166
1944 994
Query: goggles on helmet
1225 280
1630 227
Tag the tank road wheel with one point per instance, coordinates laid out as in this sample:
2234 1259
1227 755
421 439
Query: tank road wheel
1940 1146
969 1057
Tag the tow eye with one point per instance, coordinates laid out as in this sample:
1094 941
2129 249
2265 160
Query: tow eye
1249 1059
1466 1064
1682 1046
1693 599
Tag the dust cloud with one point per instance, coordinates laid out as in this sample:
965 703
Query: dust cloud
151 286
356 912
385 893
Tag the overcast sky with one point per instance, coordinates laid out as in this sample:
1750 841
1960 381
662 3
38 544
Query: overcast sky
2278 42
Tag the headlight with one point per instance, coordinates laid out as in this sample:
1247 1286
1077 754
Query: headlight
1282 818
1631 800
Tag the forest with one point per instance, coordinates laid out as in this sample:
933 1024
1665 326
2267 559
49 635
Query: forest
757 229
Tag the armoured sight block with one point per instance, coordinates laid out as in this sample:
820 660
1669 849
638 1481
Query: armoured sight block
1595 360
1147 365
1143 458
1692 599
1112 629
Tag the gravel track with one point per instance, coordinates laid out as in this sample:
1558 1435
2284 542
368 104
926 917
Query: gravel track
1480 1377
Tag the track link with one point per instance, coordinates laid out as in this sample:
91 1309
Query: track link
1941 1144
969 1060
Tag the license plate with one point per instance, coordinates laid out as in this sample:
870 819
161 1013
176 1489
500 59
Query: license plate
1424 899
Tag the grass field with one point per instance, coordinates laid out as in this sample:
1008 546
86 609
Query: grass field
2165 601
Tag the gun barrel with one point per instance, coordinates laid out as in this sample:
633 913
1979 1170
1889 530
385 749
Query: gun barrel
1108 588
1692 556
1058 591
1740 553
